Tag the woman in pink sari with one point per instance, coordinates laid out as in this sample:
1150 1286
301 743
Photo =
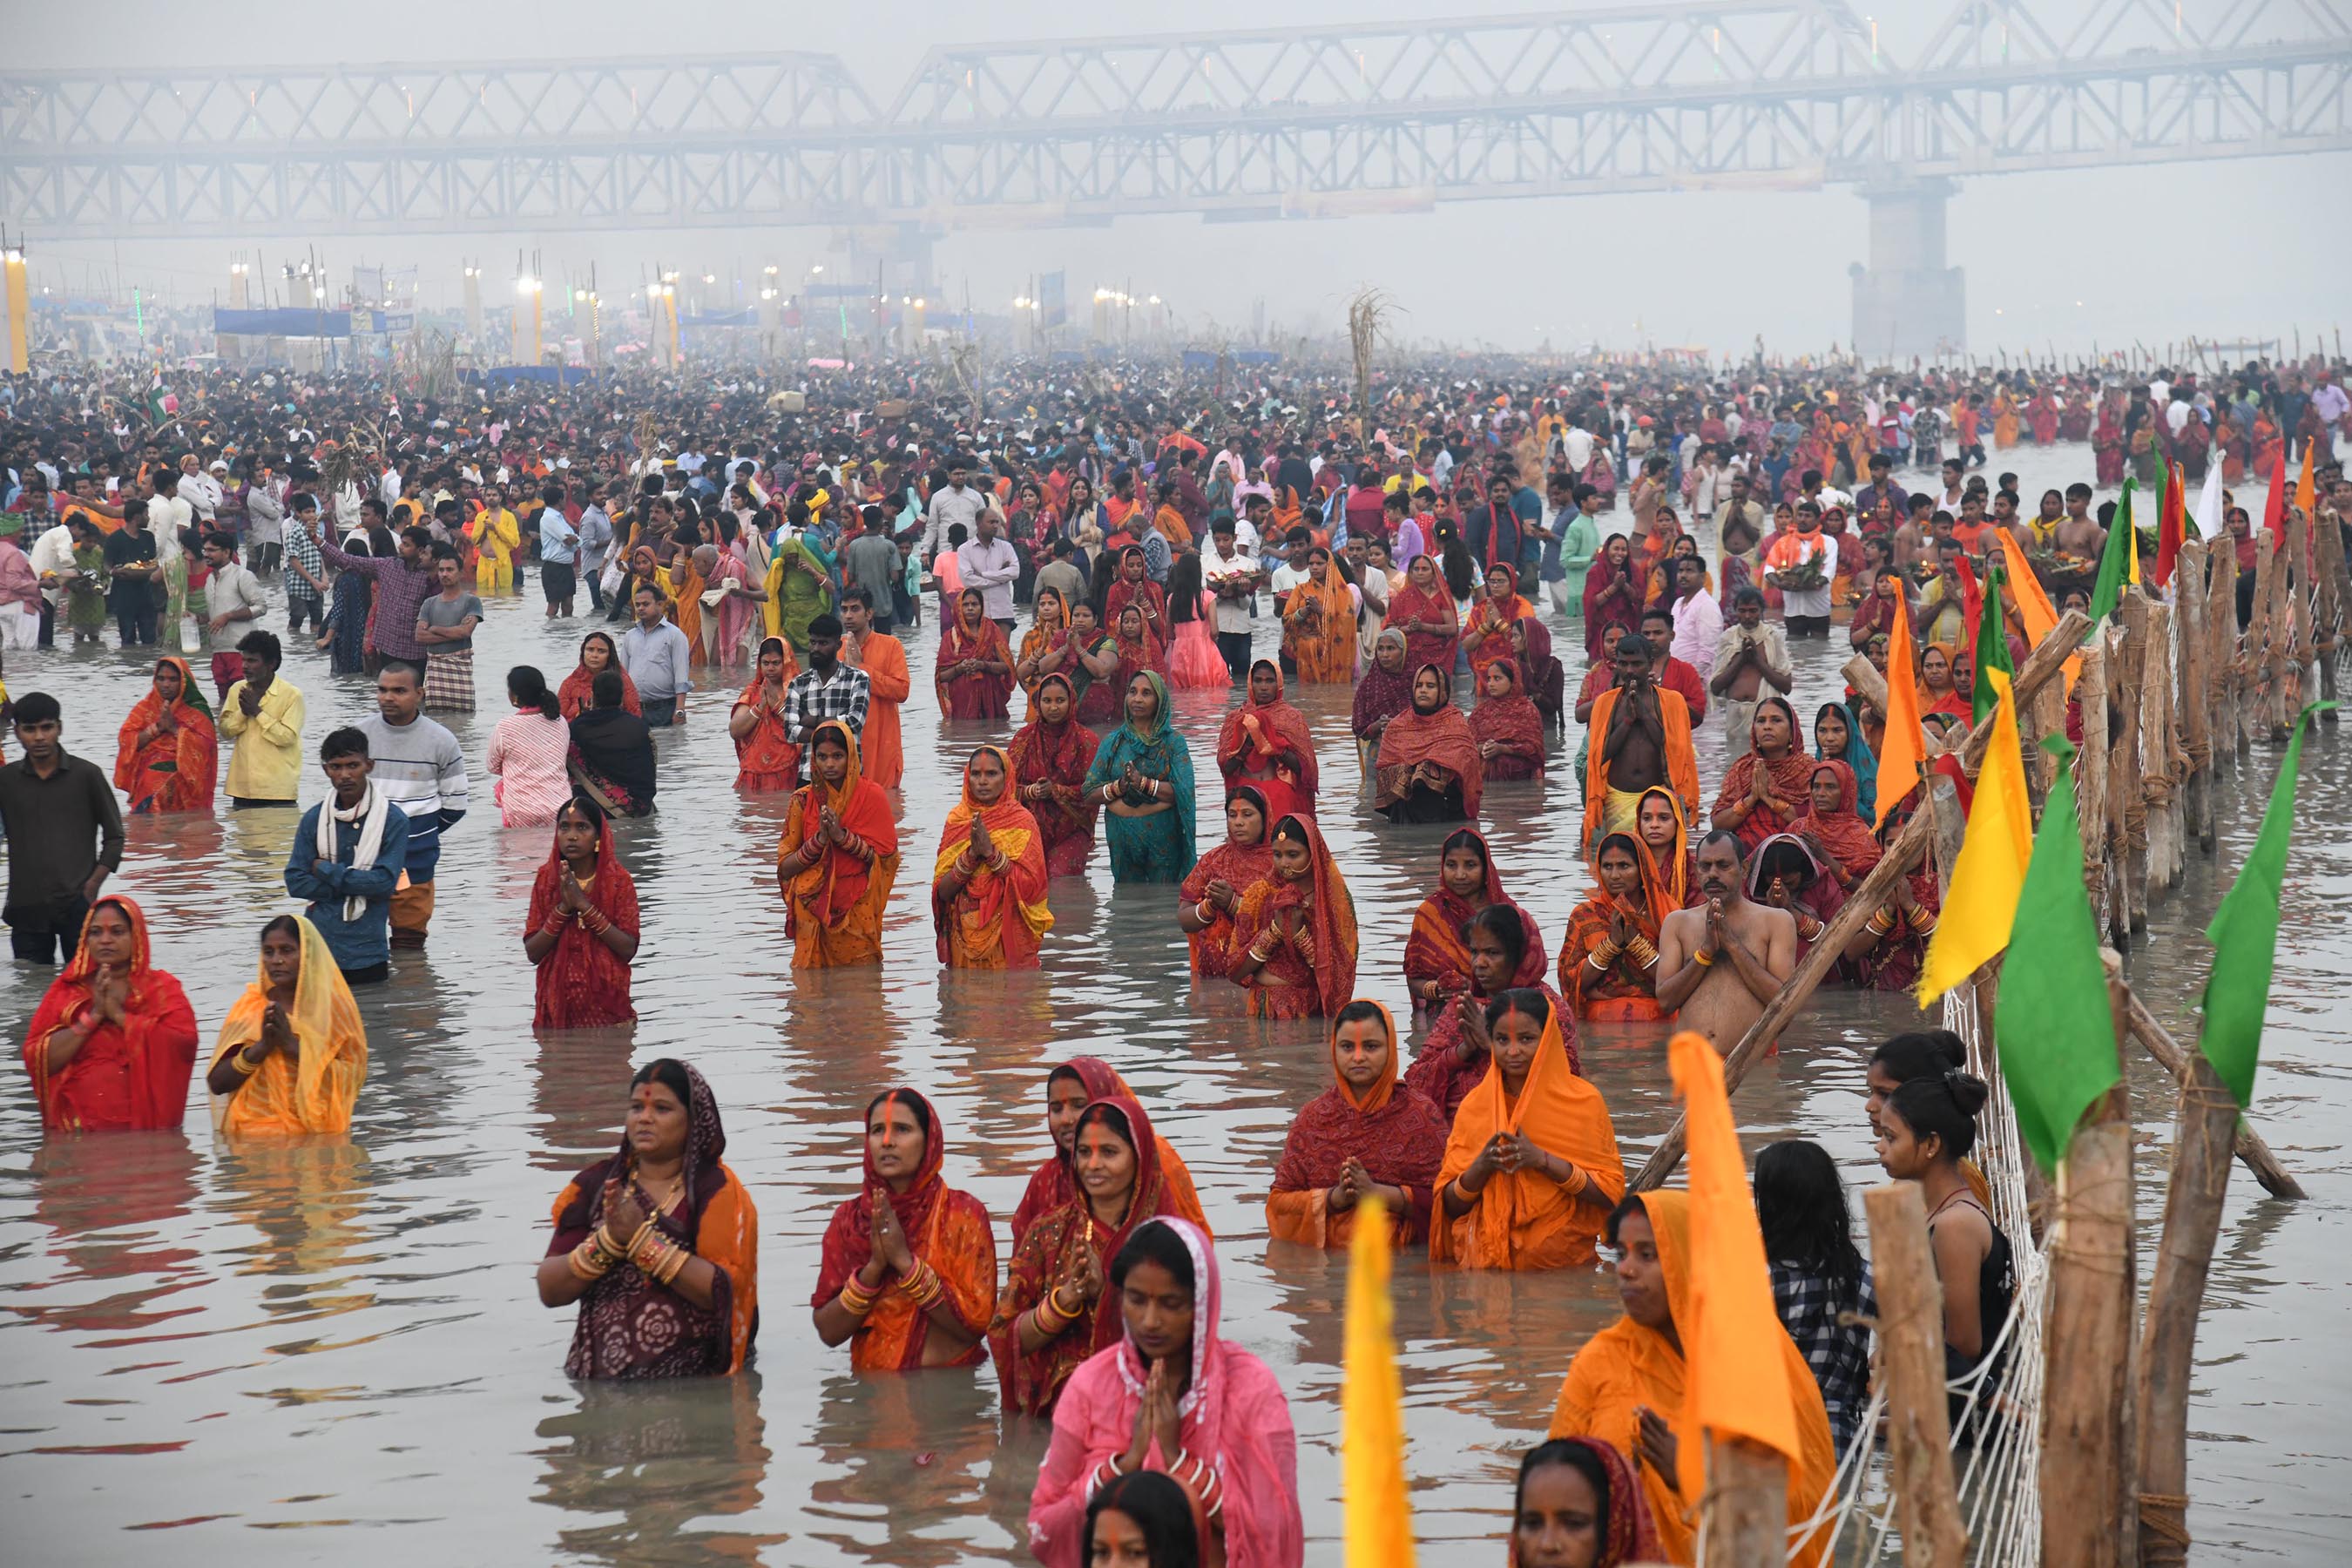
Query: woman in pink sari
747 591
1173 1397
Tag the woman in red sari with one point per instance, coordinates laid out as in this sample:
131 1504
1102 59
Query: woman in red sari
838 857
1056 1309
1765 787
988 883
1210 893
113 1044
1070 1089
1574 1489
1046 645
1429 769
766 758
908 1271
975 670
2107 443
1423 610
1504 723
1139 653
1265 743
1941 690
1785 874
1150 599
1367 1136
1613 600
1486 637
577 694
1295 933
583 928
167 754
1609 962
1436 958
659 1243
1506 955
1831 826
1050 757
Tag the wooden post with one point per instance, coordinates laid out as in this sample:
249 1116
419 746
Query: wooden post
1745 1516
2335 597
2091 1519
2160 786
1911 1374
2300 603
2091 777
2192 1217
2196 712
2254 663
2222 665
2275 1179
2126 803
1867 683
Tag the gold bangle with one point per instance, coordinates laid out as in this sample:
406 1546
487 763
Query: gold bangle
238 1064
1702 959
855 1297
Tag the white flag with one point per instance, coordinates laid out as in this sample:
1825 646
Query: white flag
2208 505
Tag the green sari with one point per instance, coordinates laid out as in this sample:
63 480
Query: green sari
1158 847
799 598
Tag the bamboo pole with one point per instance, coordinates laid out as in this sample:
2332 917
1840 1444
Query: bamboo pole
2300 599
2041 667
2169 1055
2196 712
1744 1518
2335 595
1911 1374
2087 1471
2128 844
2091 778
2221 628
2254 662
2161 785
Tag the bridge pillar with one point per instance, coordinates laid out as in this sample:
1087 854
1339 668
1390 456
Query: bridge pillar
1907 301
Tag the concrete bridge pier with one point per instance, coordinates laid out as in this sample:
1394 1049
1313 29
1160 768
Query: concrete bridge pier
1907 302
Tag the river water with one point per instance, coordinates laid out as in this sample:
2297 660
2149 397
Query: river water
287 1357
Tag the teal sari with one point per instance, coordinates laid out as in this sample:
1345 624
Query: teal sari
1158 847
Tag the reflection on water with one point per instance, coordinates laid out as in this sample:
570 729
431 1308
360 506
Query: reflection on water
154 1289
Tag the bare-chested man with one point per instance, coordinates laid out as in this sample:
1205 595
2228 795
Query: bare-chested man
1720 961
2080 534
1644 740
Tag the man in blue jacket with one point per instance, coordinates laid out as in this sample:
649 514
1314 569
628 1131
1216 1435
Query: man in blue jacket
346 859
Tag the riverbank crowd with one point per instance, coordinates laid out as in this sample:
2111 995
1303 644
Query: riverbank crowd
1523 577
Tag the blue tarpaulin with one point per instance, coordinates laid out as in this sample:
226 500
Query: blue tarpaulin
285 323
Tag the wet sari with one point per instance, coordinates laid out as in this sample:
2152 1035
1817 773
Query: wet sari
833 910
1840 830
1157 847
1146 595
1285 987
1380 696
1318 628
994 922
128 1076
1280 762
1493 619
1608 615
1216 945
1051 629
1434 950
1512 723
1627 992
1440 1074
1409 606
1523 1219
1397 1135
766 760
581 983
1441 737
1056 756
316 1092
631 1327
175 771
945 1229
1054 1184
1792 775
577 694
976 693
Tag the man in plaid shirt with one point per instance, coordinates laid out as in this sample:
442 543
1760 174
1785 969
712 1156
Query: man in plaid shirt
827 688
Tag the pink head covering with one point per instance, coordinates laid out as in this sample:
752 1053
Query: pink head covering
1200 1408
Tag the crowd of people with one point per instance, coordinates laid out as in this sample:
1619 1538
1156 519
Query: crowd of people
1084 561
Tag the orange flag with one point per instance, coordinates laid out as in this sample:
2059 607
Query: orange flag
2304 492
2034 606
1903 751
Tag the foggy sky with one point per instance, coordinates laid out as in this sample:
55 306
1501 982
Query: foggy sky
2244 248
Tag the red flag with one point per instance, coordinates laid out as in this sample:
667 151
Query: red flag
2274 504
2170 522
1971 599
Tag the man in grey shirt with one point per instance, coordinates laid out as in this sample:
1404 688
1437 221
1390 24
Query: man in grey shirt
872 561
596 538
1063 574
991 564
960 502
658 658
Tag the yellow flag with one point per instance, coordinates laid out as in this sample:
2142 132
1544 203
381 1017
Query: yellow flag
1991 874
1378 1529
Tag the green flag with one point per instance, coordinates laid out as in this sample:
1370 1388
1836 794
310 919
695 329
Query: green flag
1992 649
2245 935
2053 1027
2118 563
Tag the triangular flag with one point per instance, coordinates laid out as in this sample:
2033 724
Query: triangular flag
2171 518
2274 502
1378 1514
1990 872
1991 650
1903 749
2034 606
1971 595
2054 1029
2304 492
2118 563
2210 522
2245 935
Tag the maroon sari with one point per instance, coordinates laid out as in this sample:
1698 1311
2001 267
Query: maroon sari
1056 756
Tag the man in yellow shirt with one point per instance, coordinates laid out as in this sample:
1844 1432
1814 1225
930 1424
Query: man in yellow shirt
496 536
263 714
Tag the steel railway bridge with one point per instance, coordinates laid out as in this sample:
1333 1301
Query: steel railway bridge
1288 124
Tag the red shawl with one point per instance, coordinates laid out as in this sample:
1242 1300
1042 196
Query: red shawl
1398 1135
1332 917
581 983
976 694
173 772
1054 1184
128 1077
577 694
1792 775
1435 951
1512 720
1059 755
1239 867
1443 737
1281 728
1606 619
767 759
827 891
1146 595
1411 603
1841 832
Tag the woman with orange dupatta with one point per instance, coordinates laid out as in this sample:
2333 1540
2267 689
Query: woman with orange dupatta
167 755
1669 868
1057 1309
292 1051
1423 610
577 694
988 882
1210 894
1429 769
908 1267
766 759
1070 1088
1531 1168
1367 1136
1504 723
1626 1386
1044 646
838 857
113 1043
1296 930
1609 961
974 677
1436 961
659 1243
1765 787
1265 743
583 928
1051 754
1487 635
1319 623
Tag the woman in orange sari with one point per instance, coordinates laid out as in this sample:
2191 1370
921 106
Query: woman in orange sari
1627 1385
577 694
1295 932
1070 1088
1487 635
112 1045
1051 754
1531 1168
1609 962
766 759
1212 892
1044 646
838 857
659 1243
1319 623
988 883
975 669
167 754
583 928
292 1051
1367 1136
908 1265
